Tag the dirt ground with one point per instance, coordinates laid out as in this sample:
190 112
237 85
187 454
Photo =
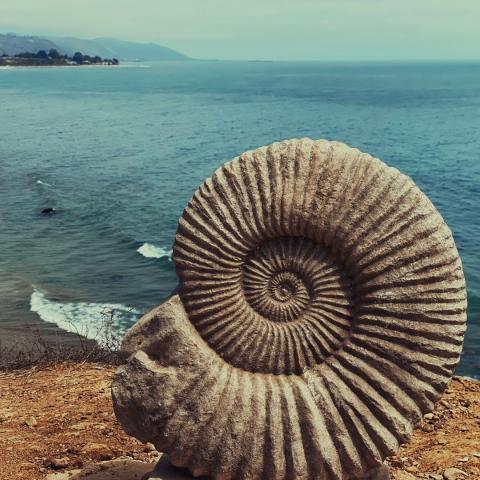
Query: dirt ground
60 418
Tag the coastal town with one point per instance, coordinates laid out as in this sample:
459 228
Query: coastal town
53 58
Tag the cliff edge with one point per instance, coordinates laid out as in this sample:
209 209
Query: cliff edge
60 418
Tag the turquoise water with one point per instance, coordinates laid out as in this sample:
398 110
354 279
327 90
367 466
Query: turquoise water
119 151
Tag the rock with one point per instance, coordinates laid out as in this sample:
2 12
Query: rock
99 451
305 294
164 470
380 473
435 476
49 211
149 447
411 469
58 476
83 426
428 416
59 463
31 422
453 474
118 469
403 475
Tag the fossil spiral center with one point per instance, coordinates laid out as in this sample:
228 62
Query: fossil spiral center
286 305
284 278
284 286
279 295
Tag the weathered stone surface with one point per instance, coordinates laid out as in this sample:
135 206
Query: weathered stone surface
98 451
454 474
380 473
119 469
31 422
320 314
58 476
402 475
165 471
58 463
128 469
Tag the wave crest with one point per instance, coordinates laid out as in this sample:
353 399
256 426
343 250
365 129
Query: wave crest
151 251
98 321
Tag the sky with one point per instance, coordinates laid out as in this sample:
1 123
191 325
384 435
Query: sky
352 30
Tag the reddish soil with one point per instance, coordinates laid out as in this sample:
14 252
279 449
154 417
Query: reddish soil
60 418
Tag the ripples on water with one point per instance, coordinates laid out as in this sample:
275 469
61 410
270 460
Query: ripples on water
119 152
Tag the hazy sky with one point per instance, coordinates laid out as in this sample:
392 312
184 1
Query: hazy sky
265 29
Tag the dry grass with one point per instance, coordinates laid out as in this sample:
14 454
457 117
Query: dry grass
36 349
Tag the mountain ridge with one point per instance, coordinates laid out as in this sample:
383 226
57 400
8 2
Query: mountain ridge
13 44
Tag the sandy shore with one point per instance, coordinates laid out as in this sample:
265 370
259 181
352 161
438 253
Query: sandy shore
60 418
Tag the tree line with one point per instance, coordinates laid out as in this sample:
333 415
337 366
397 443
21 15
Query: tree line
54 56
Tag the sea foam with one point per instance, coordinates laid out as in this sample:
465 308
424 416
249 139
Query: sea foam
97 321
40 182
151 251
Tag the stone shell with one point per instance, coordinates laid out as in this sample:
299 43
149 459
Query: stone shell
320 313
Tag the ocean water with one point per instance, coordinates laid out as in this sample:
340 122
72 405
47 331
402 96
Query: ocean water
118 152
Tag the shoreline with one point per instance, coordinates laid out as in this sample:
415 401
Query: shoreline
27 338
31 324
23 341
34 326
11 67
34 346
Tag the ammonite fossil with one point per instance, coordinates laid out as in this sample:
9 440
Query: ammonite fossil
320 313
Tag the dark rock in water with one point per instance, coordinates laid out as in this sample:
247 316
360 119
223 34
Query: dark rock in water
49 211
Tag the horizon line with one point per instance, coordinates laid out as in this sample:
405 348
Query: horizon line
259 60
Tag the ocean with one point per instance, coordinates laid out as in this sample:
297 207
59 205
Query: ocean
118 152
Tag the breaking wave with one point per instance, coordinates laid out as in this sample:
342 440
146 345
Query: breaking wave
97 321
151 251
40 182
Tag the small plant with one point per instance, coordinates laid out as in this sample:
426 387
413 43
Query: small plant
102 345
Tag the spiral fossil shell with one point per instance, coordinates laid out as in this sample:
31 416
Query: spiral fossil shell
320 313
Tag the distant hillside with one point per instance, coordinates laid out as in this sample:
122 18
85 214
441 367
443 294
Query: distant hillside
12 44
123 50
